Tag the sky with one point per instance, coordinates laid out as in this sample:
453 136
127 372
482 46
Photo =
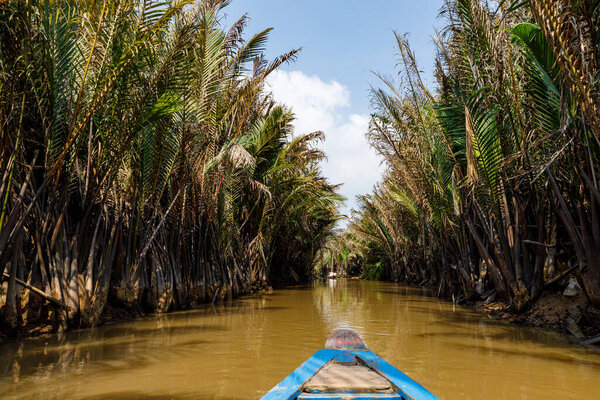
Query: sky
342 42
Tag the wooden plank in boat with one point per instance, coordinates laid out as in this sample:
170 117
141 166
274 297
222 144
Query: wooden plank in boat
344 378
349 396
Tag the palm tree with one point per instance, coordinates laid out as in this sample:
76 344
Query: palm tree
150 165
491 184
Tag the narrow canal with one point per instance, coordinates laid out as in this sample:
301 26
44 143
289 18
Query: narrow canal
242 349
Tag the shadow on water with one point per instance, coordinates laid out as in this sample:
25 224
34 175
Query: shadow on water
128 344
547 356
60 361
410 292
305 287
190 343
139 395
467 322
145 330
101 337
129 395
240 307
452 313
132 395
503 334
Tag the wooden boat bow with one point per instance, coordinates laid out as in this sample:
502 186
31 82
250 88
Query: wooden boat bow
347 369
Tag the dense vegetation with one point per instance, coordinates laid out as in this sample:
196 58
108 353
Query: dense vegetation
142 163
492 181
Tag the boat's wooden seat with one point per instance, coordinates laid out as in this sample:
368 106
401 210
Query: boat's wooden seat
350 396
347 378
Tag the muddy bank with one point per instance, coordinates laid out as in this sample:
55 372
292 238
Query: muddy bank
569 315
115 312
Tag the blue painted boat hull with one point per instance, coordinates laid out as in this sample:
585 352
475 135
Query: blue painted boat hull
292 387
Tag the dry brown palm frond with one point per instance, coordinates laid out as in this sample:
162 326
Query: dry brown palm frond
472 173
239 157
261 188
574 51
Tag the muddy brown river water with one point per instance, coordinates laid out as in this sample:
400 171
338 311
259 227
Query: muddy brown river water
241 349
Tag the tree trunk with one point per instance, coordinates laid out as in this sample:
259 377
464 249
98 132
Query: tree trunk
10 308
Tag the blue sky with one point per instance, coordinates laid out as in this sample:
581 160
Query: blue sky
328 87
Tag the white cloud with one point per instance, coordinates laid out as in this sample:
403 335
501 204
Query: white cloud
325 106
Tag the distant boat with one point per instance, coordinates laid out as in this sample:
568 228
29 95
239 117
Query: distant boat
346 369
332 275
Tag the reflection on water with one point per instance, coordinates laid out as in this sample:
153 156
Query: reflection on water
241 349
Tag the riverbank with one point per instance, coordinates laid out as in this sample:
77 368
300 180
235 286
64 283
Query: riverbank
571 315
568 315
114 313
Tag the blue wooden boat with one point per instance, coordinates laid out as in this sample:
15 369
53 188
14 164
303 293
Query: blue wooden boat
346 369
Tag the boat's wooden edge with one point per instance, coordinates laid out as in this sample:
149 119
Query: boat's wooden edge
291 386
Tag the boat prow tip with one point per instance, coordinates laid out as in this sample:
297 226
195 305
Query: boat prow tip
347 339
